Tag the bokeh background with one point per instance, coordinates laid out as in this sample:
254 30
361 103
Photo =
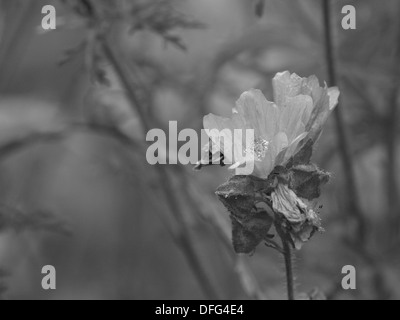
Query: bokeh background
77 193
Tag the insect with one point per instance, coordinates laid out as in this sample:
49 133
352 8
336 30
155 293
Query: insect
215 157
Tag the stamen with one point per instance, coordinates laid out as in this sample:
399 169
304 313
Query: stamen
258 148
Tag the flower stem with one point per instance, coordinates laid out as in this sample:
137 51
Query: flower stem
287 253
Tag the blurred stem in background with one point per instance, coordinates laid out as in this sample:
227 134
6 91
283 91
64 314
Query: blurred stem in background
359 243
341 130
391 145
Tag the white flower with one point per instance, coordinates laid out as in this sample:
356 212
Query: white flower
301 108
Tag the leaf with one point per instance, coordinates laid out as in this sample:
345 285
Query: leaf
243 241
247 234
306 181
238 195
250 226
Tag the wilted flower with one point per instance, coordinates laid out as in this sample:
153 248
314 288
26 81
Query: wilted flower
303 220
301 107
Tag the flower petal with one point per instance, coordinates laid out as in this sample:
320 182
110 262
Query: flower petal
334 94
281 130
259 114
295 115
276 145
304 222
285 201
286 85
291 150
311 87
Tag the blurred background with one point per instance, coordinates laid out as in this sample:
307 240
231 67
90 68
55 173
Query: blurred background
77 193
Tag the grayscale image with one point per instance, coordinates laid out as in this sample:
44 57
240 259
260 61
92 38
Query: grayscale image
199 150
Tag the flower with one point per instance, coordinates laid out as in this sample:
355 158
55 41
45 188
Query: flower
280 129
283 184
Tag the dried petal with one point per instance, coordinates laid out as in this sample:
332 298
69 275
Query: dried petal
287 203
303 222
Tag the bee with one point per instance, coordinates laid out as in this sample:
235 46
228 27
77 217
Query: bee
211 156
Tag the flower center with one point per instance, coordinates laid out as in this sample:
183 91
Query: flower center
258 149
